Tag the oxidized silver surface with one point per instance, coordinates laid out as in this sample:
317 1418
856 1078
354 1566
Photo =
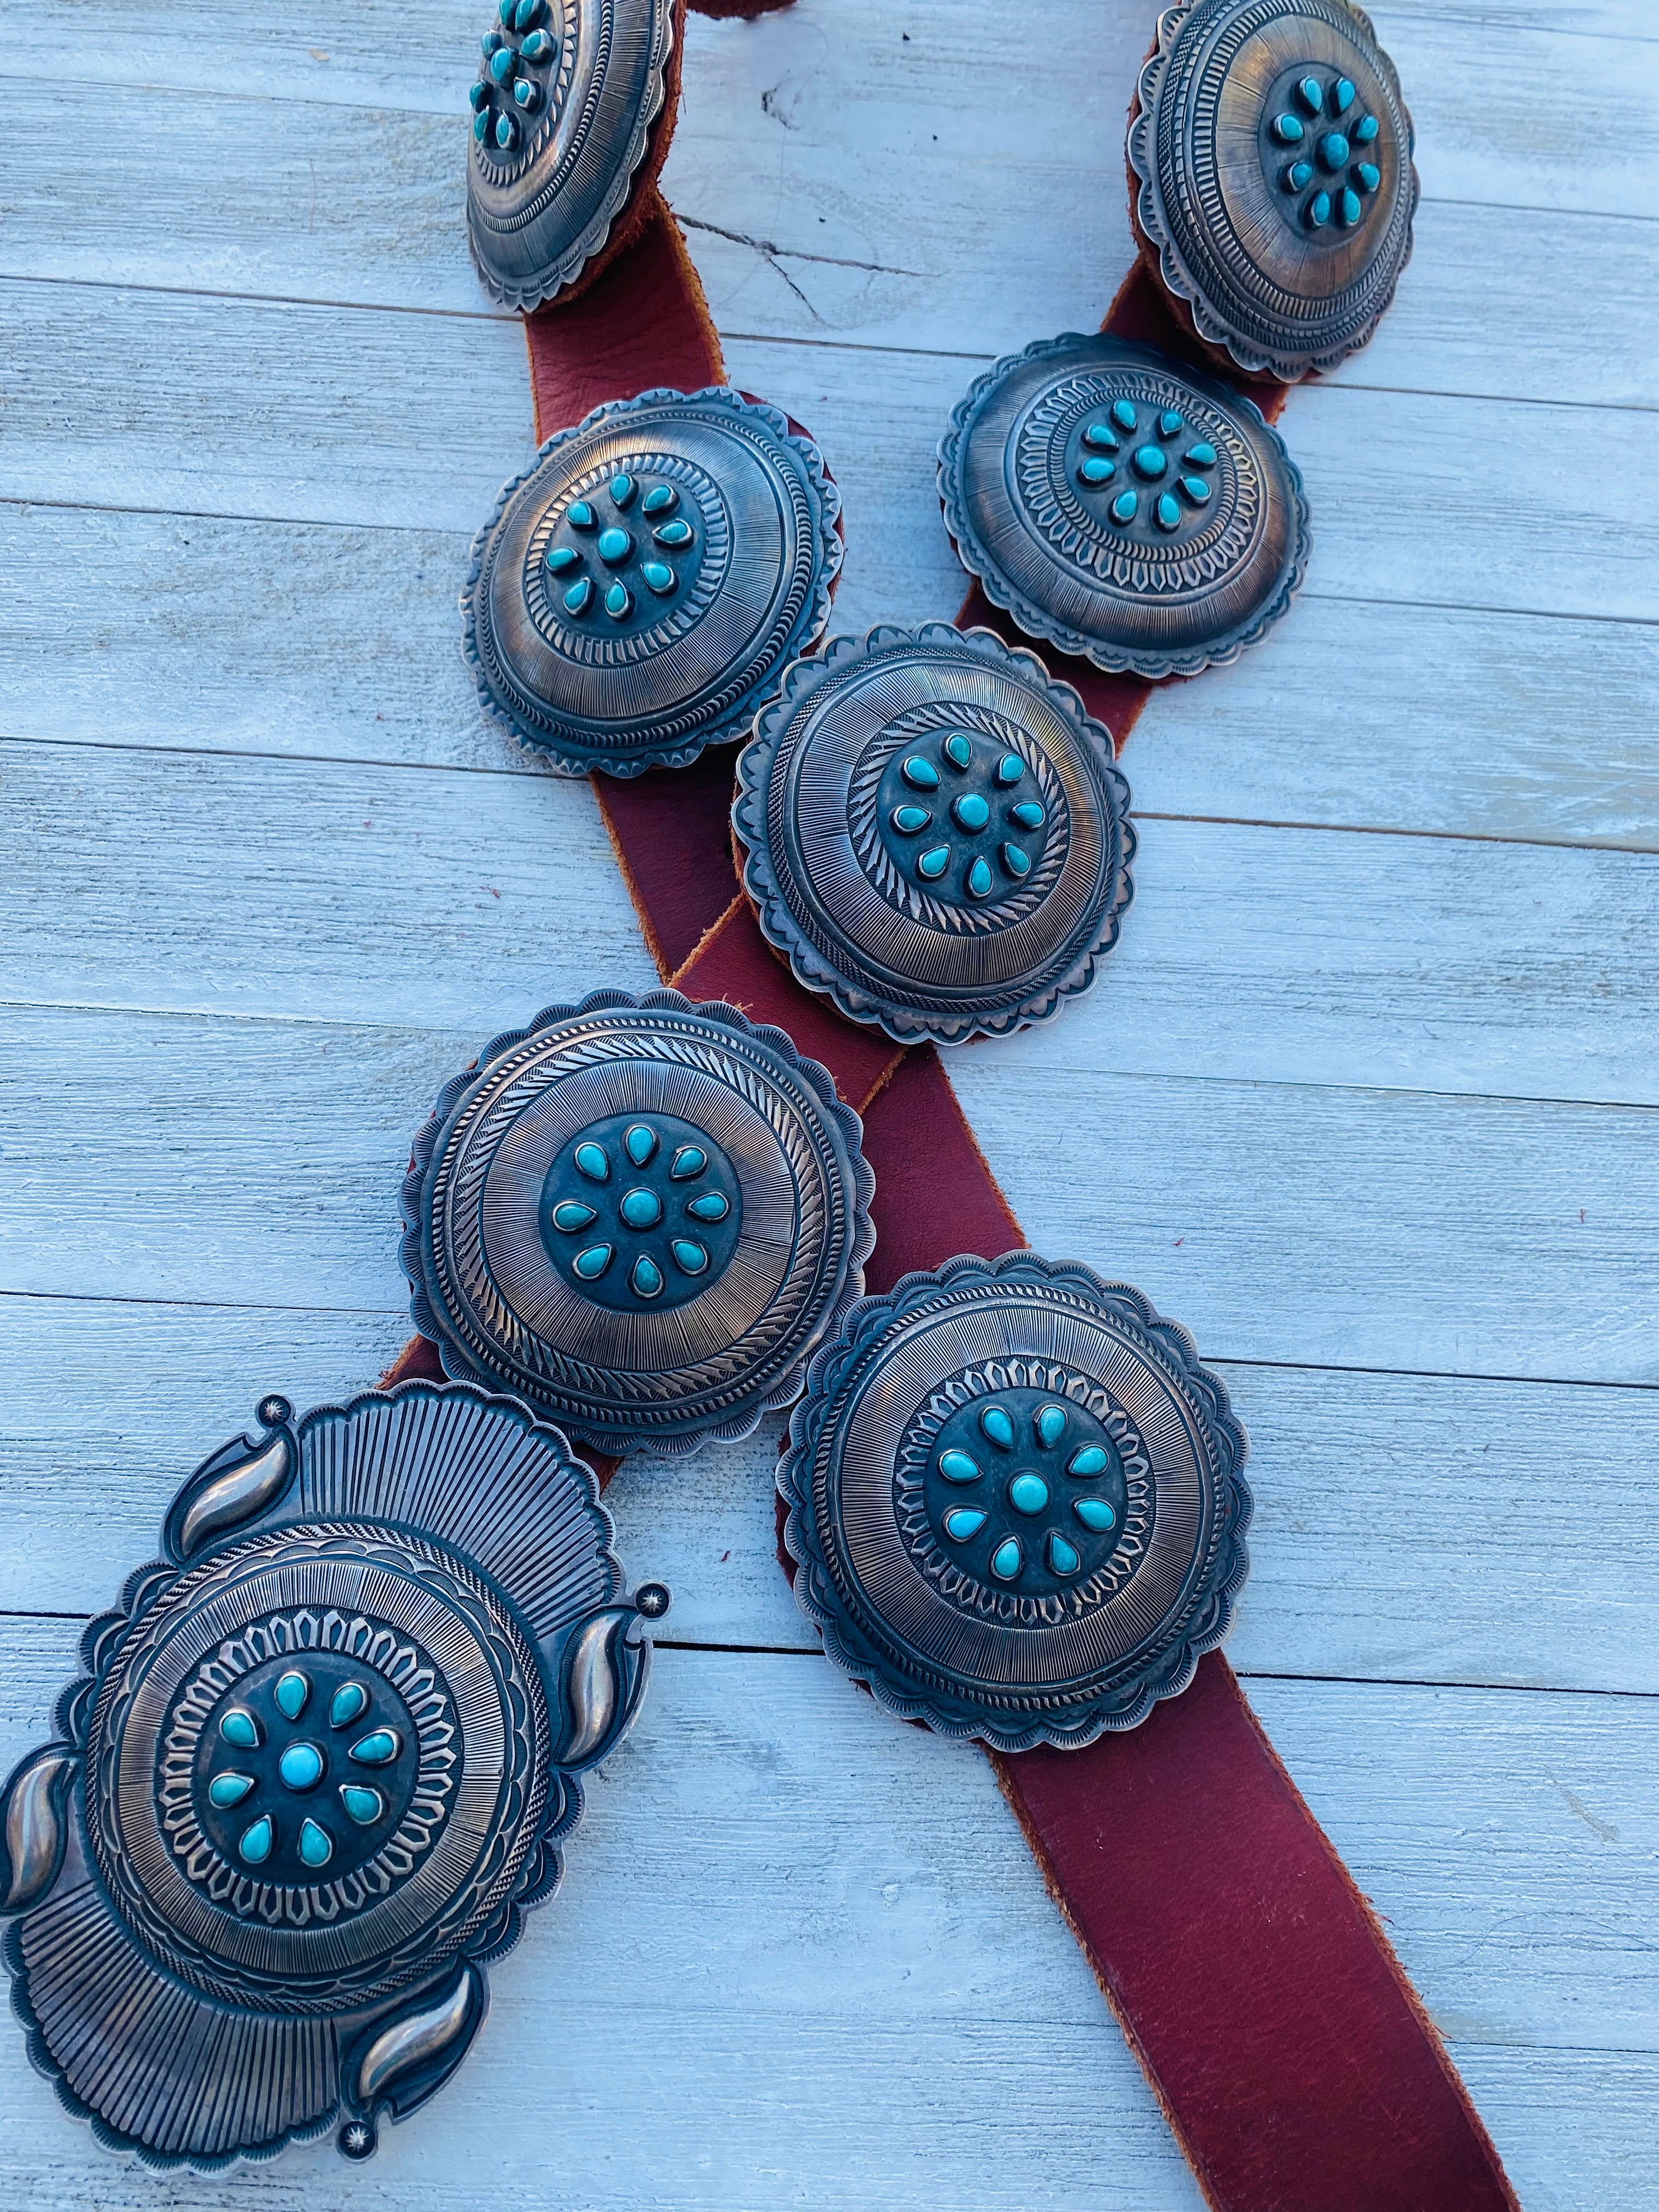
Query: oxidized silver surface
638 593
1015 1499
567 95
1127 508
936 833
641 1216
1276 188
322 1760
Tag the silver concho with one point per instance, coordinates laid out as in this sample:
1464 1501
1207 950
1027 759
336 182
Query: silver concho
641 1216
638 593
1015 1500
322 1760
936 833
568 96
1275 184
1131 511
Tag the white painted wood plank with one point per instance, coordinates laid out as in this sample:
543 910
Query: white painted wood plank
250 1163
1360 1570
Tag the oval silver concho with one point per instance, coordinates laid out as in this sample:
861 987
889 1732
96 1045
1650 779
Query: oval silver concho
1135 513
569 104
1273 184
640 1215
936 833
1015 1500
639 591
322 1761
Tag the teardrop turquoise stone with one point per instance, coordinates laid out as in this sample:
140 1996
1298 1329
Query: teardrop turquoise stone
639 1143
910 820
646 1278
528 94
956 1466
1028 1493
687 1163
1010 768
227 1789
659 576
933 863
979 879
615 546
592 1264
1319 210
300 1766
1349 209
921 774
1169 423
712 1205
690 1258
958 749
1342 96
1097 471
1050 1425
1124 415
480 125
1196 489
963 1522
1311 94
579 515
622 490
561 557
1125 506
1089 1461
1287 129
642 1209
1365 130
538 47
255 1846
1369 174
500 63
316 1845
592 1162
378 1749
570 1215
577 598
240 1729
1168 512
364 1805
995 1423
1007 1560
1016 859
1150 462
1298 176
618 602
350 1700
1062 1557
661 499
971 812
479 95
1028 814
1202 455
525 13
1094 1513
292 1691
673 533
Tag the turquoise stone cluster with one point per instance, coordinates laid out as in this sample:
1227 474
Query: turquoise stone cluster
1321 152
515 74
959 816
641 1215
615 553
272 1752
1021 1489
1156 474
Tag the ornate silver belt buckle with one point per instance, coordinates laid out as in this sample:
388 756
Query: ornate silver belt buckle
323 1759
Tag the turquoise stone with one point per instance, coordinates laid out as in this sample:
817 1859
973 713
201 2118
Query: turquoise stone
1007 1560
255 1846
1202 455
971 812
642 1209
1318 211
1092 1459
687 1163
963 1522
350 1700
538 47
300 1766
619 602
1333 150
1287 129
1349 209
1150 462
592 1264
291 1693
528 94
622 490
659 576
1029 814
909 821
1123 415
1311 94
1062 1557
956 1466
980 881
933 863
378 1749
592 1161
1010 768
363 1805
1167 513
526 13
479 96
1097 471
995 1423
1297 176
1049 1422
1100 438
577 597
1095 1514
958 749
316 1845
1365 130
501 62
712 1205
227 1789
672 533
1028 1493
1169 423
1196 489
559 558
504 10
570 1215
489 42
690 1258
1016 859
921 774
661 499
240 1729
1125 506
480 125
646 1278
1367 175
507 133
615 546
639 1143
579 515
1342 96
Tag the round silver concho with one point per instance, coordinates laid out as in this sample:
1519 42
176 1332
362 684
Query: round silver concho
639 591
323 1759
568 97
1131 511
1015 1499
1275 182
641 1216
936 833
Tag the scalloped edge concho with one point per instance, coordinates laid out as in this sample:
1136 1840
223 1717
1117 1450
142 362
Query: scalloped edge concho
865 1649
1114 657
535 723
1036 997
672 1432
1163 254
